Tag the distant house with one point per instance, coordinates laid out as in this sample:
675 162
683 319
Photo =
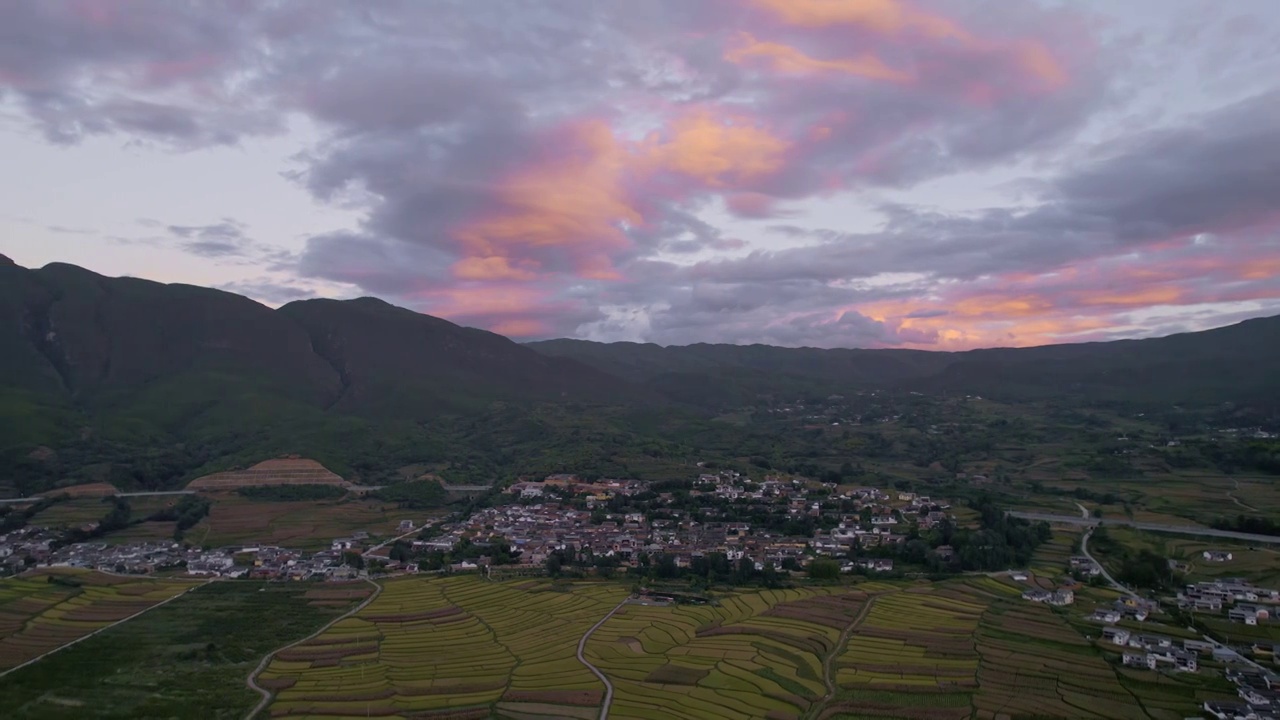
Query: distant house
406 525
1036 595
1139 659
1106 616
1217 555
1062 597
1115 635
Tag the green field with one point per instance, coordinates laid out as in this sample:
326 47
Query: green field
186 659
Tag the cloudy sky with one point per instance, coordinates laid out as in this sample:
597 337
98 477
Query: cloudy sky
838 173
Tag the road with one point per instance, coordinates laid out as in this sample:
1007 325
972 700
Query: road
582 643
252 684
38 658
391 541
1153 527
1084 550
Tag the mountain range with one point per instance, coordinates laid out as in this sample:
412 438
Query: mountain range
98 370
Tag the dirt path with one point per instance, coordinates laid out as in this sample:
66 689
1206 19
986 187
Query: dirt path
101 629
828 671
252 684
1236 500
582 643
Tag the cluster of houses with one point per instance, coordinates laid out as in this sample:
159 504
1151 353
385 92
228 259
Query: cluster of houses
1153 651
17 546
1084 565
1259 692
1059 597
37 547
1131 608
1245 603
537 531
596 492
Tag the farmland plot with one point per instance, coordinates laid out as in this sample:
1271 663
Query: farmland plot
450 645
37 615
754 654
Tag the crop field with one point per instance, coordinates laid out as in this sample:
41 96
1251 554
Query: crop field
187 659
917 642
451 645
751 655
305 524
1050 559
1259 564
83 510
37 615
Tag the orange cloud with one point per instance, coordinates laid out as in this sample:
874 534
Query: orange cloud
893 18
786 59
717 150
494 267
520 328
573 201
888 17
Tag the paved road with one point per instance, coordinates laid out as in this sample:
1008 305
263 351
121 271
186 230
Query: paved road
582 643
101 629
1154 527
266 660
1084 550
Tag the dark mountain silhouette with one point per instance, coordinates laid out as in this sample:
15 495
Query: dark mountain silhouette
97 371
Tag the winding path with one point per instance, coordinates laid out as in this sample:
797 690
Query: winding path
828 674
251 682
1084 550
582 643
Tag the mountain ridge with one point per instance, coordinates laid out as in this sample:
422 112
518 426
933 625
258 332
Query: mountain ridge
145 383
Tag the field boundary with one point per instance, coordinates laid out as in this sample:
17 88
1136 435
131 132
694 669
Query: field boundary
828 671
267 695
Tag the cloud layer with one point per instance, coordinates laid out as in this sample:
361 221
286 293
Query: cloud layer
659 171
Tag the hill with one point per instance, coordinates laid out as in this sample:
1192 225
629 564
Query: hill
143 384
146 386
1229 364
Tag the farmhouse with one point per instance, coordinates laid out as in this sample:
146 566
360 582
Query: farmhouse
1105 616
1115 635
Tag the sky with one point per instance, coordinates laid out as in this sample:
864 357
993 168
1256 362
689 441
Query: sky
943 174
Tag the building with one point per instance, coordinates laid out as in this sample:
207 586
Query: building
1217 555
1115 635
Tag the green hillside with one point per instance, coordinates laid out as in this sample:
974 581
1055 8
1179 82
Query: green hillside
147 385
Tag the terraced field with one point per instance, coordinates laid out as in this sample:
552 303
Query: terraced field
37 615
463 647
752 655
453 645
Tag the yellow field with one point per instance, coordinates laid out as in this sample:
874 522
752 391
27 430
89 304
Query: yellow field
752 654
449 644
37 615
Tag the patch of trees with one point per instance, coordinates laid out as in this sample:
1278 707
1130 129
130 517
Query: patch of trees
286 493
14 519
414 495
1248 524
498 552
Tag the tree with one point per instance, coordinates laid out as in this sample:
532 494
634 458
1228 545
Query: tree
824 569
